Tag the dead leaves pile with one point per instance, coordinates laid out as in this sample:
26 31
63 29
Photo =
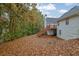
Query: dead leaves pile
40 46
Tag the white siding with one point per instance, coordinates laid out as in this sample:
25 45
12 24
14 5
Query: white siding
50 32
69 31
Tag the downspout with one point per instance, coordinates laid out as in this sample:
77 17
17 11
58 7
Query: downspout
45 21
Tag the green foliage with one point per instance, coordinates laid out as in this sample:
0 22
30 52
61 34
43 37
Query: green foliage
20 21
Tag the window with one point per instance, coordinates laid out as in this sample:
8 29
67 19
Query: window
58 23
67 22
59 32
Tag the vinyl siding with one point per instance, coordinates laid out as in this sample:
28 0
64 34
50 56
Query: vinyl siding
50 32
69 31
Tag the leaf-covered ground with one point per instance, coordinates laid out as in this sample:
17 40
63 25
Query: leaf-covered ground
41 46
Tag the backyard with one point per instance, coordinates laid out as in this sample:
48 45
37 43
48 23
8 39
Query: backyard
40 46
23 32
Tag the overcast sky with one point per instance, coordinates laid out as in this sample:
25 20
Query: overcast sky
54 9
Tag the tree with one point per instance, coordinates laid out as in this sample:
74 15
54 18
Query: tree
22 20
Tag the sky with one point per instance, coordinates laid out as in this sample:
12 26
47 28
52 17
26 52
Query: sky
55 10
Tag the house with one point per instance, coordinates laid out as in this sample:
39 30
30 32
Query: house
50 25
5 15
68 24
4 20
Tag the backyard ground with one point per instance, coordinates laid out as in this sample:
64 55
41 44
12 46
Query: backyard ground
41 46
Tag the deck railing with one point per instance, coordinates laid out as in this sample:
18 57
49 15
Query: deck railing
51 26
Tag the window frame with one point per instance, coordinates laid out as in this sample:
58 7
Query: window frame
67 22
58 23
60 32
